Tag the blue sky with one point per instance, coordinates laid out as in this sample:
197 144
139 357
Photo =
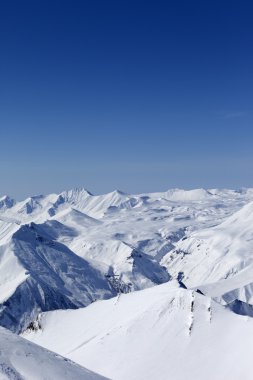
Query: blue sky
135 95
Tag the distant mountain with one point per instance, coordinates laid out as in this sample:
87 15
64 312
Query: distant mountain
6 202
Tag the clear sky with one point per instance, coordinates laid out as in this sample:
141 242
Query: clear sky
128 94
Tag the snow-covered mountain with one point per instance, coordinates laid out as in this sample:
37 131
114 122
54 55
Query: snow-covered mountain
164 332
73 249
219 260
68 250
37 273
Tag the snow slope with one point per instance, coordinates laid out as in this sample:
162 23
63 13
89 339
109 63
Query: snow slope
22 360
164 332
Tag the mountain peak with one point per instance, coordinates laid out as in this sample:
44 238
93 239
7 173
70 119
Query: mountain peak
6 202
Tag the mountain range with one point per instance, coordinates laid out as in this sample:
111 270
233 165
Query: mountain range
129 286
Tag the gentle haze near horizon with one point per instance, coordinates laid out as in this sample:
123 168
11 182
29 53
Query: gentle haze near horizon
136 95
